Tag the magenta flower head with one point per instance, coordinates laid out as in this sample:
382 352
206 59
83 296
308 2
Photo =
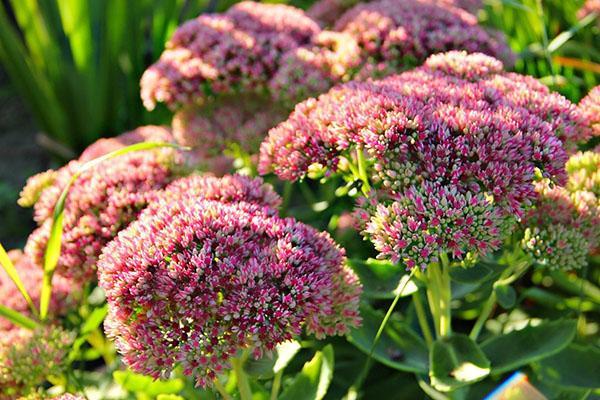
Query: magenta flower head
564 226
590 105
404 33
64 294
215 54
454 135
102 201
196 279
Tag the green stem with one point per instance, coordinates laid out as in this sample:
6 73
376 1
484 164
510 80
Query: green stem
485 313
276 385
353 390
439 296
422 317
241 377
222 390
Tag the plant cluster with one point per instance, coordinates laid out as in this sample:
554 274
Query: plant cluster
474 189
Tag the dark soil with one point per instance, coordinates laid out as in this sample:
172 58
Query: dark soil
20 157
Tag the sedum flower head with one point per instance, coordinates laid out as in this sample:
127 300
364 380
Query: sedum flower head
423 222
590 105
101 201
556 246
28 357
404 33
195 280
584 172
310 71
242 121
458 128
63 292
589 7
564 226
214 54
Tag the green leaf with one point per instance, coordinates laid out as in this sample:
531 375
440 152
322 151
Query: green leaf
576 366
532 343
12 273
169 397
17 318
456 361
138 383
94 320
52 252
382 279
506 296
475 274
399 346
565 36
266 367
313 381
285 353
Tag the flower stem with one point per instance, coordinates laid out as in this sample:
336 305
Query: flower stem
276 384
241 377
422 317
353 390
221 390
439 295
487 309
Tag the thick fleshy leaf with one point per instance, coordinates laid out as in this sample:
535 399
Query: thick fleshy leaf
475 274
266 366
138 383
313 381
506 296
532 343
382 279
399 346
456 361
576 366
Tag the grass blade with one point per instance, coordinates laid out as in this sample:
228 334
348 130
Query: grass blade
11 271
52 253
17 318
565 36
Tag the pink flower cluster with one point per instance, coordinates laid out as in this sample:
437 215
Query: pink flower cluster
457 130
403 33
63 292
213 131
210 269
28 357
102 201
590 106
311 70
589 7
423 222
564 226
218 53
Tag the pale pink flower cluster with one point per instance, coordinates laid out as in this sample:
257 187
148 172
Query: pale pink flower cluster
564 226
28 357
590 106
214 132
210 269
